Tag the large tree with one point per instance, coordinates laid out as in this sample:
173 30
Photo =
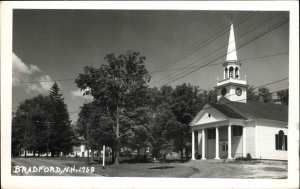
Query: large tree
283 97
60 131
186 104
252 94
27 132
120 86
264 95
94 127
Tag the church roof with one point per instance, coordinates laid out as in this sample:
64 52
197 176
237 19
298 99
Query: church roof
252 110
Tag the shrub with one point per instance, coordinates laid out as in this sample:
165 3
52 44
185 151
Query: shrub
127 154
247 158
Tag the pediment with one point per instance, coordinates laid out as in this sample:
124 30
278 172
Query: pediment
208 114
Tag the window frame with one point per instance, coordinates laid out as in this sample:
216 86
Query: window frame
281 141
237 130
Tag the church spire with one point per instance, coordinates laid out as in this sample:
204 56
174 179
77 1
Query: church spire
231 51
232 86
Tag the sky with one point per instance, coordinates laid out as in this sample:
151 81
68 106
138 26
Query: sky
51 45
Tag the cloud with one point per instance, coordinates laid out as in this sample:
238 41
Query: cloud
30 77
79 94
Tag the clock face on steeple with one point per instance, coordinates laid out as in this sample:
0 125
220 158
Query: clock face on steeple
238 91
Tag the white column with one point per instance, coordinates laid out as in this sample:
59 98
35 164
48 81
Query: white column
233 75
229 142
228 72
244 141
199 141
217 143
203 144
193 145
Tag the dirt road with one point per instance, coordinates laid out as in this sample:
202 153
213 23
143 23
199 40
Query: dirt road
220 169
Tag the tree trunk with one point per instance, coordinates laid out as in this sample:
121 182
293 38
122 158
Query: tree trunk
113 155
117 152
92 151
118 138
186 153
181 153
88 142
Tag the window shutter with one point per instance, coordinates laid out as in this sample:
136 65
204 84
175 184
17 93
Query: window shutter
276 142
286 141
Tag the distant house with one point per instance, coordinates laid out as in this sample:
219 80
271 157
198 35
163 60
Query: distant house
235 127
80 151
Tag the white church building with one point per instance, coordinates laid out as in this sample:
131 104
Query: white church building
236 127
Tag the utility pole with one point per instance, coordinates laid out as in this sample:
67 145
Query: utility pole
47 141
88 142
103 157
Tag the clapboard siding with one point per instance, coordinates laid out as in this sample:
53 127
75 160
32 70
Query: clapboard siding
266 143
250 139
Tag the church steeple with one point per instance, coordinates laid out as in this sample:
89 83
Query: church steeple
232 86
231 51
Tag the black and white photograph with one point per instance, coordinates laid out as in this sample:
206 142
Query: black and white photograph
152 93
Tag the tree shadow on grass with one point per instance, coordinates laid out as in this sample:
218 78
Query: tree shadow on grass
161 167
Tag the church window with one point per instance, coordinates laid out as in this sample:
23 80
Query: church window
281 141
226 72
211 133
237 131
209 115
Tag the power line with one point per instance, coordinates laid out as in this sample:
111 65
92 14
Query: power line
191 48
54 80
199 45
207 55
222 62
41 81
91 108
275 27
273 82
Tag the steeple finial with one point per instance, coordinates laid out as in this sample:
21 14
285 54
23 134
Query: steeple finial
231 51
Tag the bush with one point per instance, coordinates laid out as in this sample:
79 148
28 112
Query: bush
198 156
247 158
126 153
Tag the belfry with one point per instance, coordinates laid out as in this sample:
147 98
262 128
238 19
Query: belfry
232 86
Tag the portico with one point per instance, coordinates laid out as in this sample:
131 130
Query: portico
219 139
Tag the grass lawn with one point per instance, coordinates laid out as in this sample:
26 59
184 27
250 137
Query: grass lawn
125 169
141 170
